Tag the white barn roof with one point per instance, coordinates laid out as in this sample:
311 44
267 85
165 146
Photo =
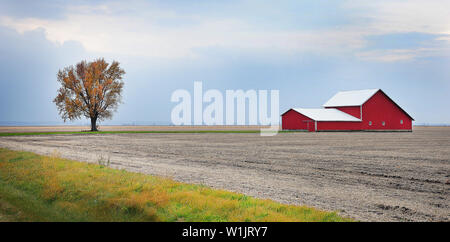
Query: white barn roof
350 98
322 114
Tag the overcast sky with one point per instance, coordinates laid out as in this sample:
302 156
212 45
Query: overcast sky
309 50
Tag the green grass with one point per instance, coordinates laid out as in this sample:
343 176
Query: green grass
49 188
140 132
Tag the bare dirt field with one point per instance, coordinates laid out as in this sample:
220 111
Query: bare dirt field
366 176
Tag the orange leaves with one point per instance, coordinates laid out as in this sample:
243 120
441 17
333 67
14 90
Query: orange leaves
89 89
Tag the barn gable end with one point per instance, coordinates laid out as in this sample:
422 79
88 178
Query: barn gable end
293 120
381 113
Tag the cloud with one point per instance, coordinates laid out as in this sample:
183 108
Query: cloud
404 47
396 16
150 30
29 64
393 55
106 34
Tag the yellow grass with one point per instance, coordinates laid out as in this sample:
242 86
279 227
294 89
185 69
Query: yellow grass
49 188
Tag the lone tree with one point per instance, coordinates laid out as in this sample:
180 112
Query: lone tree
92 90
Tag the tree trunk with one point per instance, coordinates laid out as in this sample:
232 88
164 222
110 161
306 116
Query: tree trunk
94 124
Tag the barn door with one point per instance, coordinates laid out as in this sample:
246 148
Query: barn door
310 126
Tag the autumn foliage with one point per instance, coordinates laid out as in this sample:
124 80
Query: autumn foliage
92 90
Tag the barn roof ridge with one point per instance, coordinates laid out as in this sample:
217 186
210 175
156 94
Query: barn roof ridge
351 98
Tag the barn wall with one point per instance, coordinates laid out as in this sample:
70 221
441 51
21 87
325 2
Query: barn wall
355 111
296 121
336 125
379 109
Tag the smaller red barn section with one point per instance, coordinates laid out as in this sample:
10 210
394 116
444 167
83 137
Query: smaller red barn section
362 110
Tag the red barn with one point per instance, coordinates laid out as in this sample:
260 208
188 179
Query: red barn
350 111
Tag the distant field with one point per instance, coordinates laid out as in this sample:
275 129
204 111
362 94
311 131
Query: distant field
133 132
42 188
65 128
366 176
150 129
51 130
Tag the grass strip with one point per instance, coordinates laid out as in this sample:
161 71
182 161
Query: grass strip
50 188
